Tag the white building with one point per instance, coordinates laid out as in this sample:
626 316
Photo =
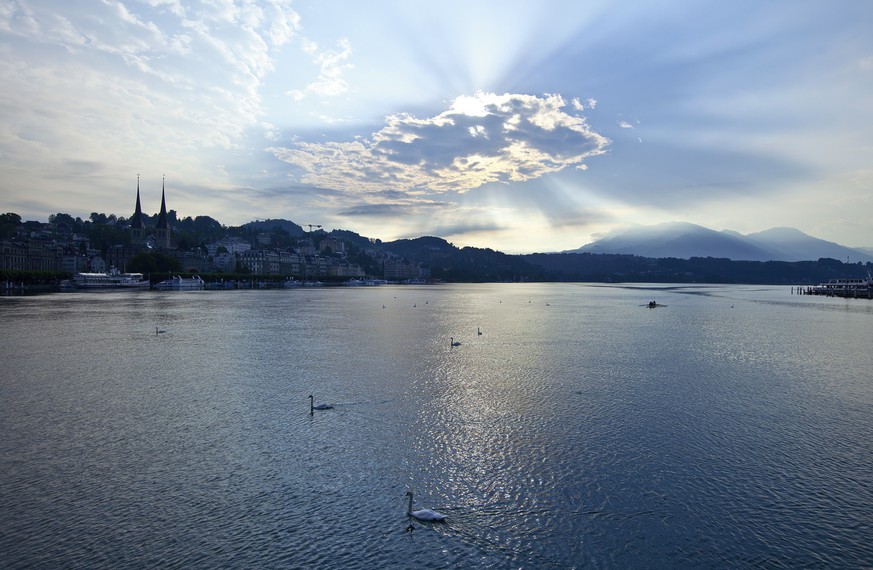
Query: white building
224 262
233 245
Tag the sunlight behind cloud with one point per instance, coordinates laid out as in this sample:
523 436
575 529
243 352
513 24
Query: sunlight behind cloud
480 139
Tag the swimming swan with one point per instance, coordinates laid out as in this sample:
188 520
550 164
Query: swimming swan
423 514
453 342
319 406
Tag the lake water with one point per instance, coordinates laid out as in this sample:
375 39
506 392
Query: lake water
732 427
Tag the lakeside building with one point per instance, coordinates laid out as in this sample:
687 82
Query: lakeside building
232 245
401 269
342 268
332 245
30 255
223 262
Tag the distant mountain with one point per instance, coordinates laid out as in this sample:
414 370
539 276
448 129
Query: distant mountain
684 240
794 245
676 239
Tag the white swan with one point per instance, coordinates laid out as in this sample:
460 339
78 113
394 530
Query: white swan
453 342
423 514
319 406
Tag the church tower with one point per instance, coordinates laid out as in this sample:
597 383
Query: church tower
137 230
162 228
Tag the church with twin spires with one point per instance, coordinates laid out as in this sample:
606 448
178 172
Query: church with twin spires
161 237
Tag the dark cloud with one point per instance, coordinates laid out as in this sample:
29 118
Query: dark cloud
375 210
461 229
393 209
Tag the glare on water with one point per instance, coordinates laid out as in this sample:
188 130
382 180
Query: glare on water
572 426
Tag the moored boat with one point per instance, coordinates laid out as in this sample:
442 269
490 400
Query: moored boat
177 283
845 288
110 280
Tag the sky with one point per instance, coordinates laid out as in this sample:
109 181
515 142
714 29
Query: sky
513 125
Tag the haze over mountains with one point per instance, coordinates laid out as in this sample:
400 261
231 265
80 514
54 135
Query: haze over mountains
684 240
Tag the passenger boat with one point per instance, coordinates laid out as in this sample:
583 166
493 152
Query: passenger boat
111 280
177 283
845 288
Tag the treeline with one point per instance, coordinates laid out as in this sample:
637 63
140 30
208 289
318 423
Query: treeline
631 268
32 277
486 265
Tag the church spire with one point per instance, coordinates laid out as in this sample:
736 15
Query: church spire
162 217
162 228
137 229
136 222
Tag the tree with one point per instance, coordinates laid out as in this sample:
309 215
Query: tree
10 218
104 236
9 223
64 223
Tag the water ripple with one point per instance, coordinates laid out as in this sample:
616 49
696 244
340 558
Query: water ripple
577 431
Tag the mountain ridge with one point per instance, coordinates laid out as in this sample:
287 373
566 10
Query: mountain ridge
684 240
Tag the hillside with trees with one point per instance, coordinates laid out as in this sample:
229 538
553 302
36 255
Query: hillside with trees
446 262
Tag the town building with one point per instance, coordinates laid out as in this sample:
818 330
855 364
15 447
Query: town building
232 245
30 255
403 269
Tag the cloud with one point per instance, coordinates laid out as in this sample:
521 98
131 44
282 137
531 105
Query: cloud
580 105
460 229
482 138
330 82
160 86
159 70
391 209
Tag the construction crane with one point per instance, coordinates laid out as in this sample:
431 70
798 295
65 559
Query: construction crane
313 226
